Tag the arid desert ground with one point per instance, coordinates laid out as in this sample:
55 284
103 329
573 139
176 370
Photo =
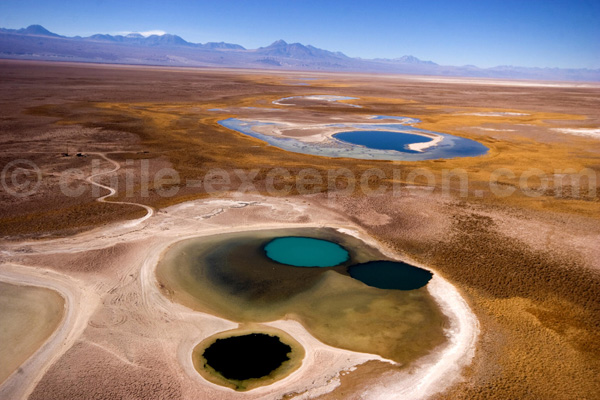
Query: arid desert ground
105 167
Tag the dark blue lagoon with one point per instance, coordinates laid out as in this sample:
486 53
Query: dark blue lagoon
372 141
306 252
390 275
383 140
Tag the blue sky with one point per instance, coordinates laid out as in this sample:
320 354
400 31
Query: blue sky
540 33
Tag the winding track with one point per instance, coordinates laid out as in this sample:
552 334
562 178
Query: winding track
112 191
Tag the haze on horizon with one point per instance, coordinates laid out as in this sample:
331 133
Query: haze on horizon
559 33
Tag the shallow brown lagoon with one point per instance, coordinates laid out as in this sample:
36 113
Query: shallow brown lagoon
230 276
28 316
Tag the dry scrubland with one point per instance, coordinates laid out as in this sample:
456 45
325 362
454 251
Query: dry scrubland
529 266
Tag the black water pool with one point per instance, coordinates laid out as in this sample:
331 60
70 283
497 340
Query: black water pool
250 356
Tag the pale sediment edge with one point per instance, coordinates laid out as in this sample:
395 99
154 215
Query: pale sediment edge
79 305
420 147
442 368
319 97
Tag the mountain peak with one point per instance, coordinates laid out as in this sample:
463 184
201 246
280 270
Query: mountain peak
278 43
223 46
37 30
166 39
409 59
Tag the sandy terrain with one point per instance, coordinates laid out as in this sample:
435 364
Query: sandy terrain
526 264
156 316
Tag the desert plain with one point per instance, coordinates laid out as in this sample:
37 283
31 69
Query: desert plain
105 167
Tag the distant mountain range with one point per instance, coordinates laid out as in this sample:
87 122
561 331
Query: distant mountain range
37 43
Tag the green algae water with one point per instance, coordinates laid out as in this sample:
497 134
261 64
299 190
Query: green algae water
306 252
231 276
